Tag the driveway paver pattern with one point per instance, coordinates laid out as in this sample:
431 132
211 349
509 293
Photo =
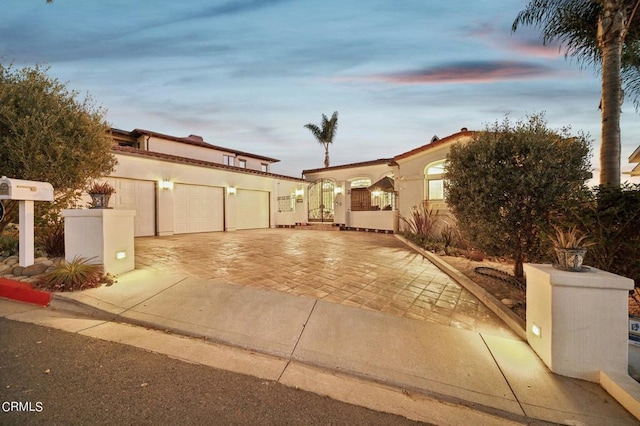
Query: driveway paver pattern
365 270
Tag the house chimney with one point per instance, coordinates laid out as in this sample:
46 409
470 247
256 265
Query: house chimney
464 129
196 138
434 139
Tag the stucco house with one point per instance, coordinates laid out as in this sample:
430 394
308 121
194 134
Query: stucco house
181 185
635 158
360 192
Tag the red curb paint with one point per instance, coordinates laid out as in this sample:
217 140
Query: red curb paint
23 292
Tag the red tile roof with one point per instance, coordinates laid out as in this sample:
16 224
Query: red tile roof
448 139
348 166
127 150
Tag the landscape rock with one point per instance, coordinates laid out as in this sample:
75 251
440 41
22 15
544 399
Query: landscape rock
11 261
40 259
509 303
35 269
4 268
17 270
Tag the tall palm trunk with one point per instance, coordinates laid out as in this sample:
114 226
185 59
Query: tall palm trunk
610 38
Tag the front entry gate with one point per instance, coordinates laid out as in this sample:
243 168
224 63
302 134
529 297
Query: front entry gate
321 198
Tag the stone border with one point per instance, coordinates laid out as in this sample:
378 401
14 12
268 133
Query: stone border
514 322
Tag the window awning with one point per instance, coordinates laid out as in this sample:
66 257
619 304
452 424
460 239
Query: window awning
383 185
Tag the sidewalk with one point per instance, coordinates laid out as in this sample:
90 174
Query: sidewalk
421 370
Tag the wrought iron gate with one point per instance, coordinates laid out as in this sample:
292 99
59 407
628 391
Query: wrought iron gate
321 198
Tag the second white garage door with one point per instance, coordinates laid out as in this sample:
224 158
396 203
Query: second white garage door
198 209
252 208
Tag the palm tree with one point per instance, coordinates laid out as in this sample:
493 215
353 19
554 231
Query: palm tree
605 32
325 133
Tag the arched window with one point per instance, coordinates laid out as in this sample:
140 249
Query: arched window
434 181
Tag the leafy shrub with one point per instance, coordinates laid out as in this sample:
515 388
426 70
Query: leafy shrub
9 245
50 239
78 274
610 217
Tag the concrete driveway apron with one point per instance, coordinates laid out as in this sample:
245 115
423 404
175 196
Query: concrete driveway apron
365 270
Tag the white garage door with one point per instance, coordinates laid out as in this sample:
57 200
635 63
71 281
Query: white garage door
252 208
138 195
198 209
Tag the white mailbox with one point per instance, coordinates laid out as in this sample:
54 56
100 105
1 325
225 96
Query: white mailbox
28 190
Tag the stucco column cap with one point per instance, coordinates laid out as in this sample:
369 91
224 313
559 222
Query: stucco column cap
593 278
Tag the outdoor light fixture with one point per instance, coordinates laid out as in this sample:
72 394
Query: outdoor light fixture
121 255
166 184
299 192
338 190
535 329
231 190
376 193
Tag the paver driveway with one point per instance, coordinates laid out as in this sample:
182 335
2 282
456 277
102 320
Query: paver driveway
370 271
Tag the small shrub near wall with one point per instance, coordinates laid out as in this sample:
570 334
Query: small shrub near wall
50 239
611 219
9 245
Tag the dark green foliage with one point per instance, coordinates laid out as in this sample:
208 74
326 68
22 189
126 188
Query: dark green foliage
48 134
9 244
50 239
506 184
611 218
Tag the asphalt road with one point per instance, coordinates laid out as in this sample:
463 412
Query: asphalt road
54 377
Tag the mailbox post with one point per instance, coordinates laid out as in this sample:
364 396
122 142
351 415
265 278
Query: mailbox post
25 192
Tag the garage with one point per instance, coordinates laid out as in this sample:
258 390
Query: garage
252 209
138 195
198 208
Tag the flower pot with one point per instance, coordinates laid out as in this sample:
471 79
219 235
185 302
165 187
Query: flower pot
100 201
570 259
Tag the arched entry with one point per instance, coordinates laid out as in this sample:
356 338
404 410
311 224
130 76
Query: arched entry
321 198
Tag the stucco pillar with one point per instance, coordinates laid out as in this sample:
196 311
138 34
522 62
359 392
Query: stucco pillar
165 210
230 209
102 235
577 322
339 204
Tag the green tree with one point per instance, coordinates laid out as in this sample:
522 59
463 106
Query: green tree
506 185
603 32
325 133
48 134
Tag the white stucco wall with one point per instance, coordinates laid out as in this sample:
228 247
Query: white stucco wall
410 175
145 168
382 220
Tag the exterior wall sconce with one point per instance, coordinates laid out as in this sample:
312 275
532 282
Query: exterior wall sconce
376 193
121 255
338 190
299 192
166 184
231 190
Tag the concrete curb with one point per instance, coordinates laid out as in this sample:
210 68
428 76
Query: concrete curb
514 322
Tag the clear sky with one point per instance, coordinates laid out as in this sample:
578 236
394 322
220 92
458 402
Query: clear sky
249 74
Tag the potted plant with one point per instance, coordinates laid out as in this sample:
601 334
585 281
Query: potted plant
100 193
570 247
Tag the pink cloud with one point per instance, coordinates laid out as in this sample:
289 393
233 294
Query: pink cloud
465 72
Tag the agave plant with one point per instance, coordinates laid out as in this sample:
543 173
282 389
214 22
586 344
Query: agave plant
79 274
570 239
